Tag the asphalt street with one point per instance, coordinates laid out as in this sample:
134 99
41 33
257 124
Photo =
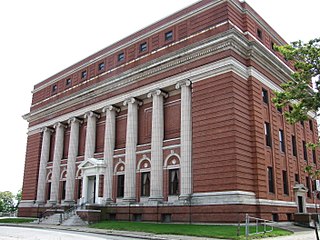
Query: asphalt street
13 233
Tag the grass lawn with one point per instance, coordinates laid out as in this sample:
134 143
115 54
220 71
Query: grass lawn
16 220
215 231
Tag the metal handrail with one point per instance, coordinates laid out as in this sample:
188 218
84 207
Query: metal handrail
263 222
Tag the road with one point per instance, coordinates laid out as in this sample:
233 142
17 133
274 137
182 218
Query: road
16 233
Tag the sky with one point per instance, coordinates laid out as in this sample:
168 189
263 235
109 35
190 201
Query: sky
40 38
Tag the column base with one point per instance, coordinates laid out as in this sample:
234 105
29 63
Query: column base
155 199
129 200
38 203
68 203
186 199
53 202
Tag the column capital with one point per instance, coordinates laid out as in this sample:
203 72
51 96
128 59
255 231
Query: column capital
132 100
157 92
59 125
186 83
111 108
46 129
74 119
91 114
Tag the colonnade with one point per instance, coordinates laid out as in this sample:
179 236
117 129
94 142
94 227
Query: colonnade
157 137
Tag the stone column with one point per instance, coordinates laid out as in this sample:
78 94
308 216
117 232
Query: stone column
84 189
109 145
44 158
72 157
157 135
90 135
57 156
131 145
185 140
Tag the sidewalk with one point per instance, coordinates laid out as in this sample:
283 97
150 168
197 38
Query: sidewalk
300 233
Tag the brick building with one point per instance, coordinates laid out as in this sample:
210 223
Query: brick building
174 122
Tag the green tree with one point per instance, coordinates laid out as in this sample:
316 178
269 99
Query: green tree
18 198
298 92
7 202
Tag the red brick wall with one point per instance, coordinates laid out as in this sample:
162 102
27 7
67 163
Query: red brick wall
31 168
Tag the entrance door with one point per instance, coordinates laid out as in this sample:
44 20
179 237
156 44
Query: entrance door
92 189
300 204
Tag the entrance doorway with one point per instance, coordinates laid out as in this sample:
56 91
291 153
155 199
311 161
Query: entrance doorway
300 204
92 189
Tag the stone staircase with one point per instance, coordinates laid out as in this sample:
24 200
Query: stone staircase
74 220
54 219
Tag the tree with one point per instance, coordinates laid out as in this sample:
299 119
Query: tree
298 92
6 202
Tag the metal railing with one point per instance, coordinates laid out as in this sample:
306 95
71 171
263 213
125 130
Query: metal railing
257 226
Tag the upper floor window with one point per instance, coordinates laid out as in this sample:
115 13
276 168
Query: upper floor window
279 109
281 140
305 153
143 47
272 45
101 66
265 96
83 74
168 36
259 33
296 178
294 145
308 186
54 88
311 125
267 133
120 57
314 157
68 82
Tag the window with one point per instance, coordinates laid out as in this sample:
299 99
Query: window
79 188
265 96
101 66
279 109
168 36
120 189
49 191
63 194
259 33
270 180
297 178
294 145
281 141
145 184
314 157
272 45
285 182
308 186
311 125
83 74
120 57
174 182
143 47
54 88
305 154
302 123
267 133
68 82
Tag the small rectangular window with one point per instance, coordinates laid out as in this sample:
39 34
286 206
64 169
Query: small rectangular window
168 36
302 123
174 182
259 33
297 178
282 142
294 145
120 187
308 186
267 133
270 180
120 57
265 96
311 125
83 74
305 153
68 82
54 88
314 157
143 47
285 182
279 109
101 66
272 45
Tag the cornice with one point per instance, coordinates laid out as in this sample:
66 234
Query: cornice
135 40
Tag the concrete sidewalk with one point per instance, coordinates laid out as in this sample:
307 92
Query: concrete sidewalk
300 233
